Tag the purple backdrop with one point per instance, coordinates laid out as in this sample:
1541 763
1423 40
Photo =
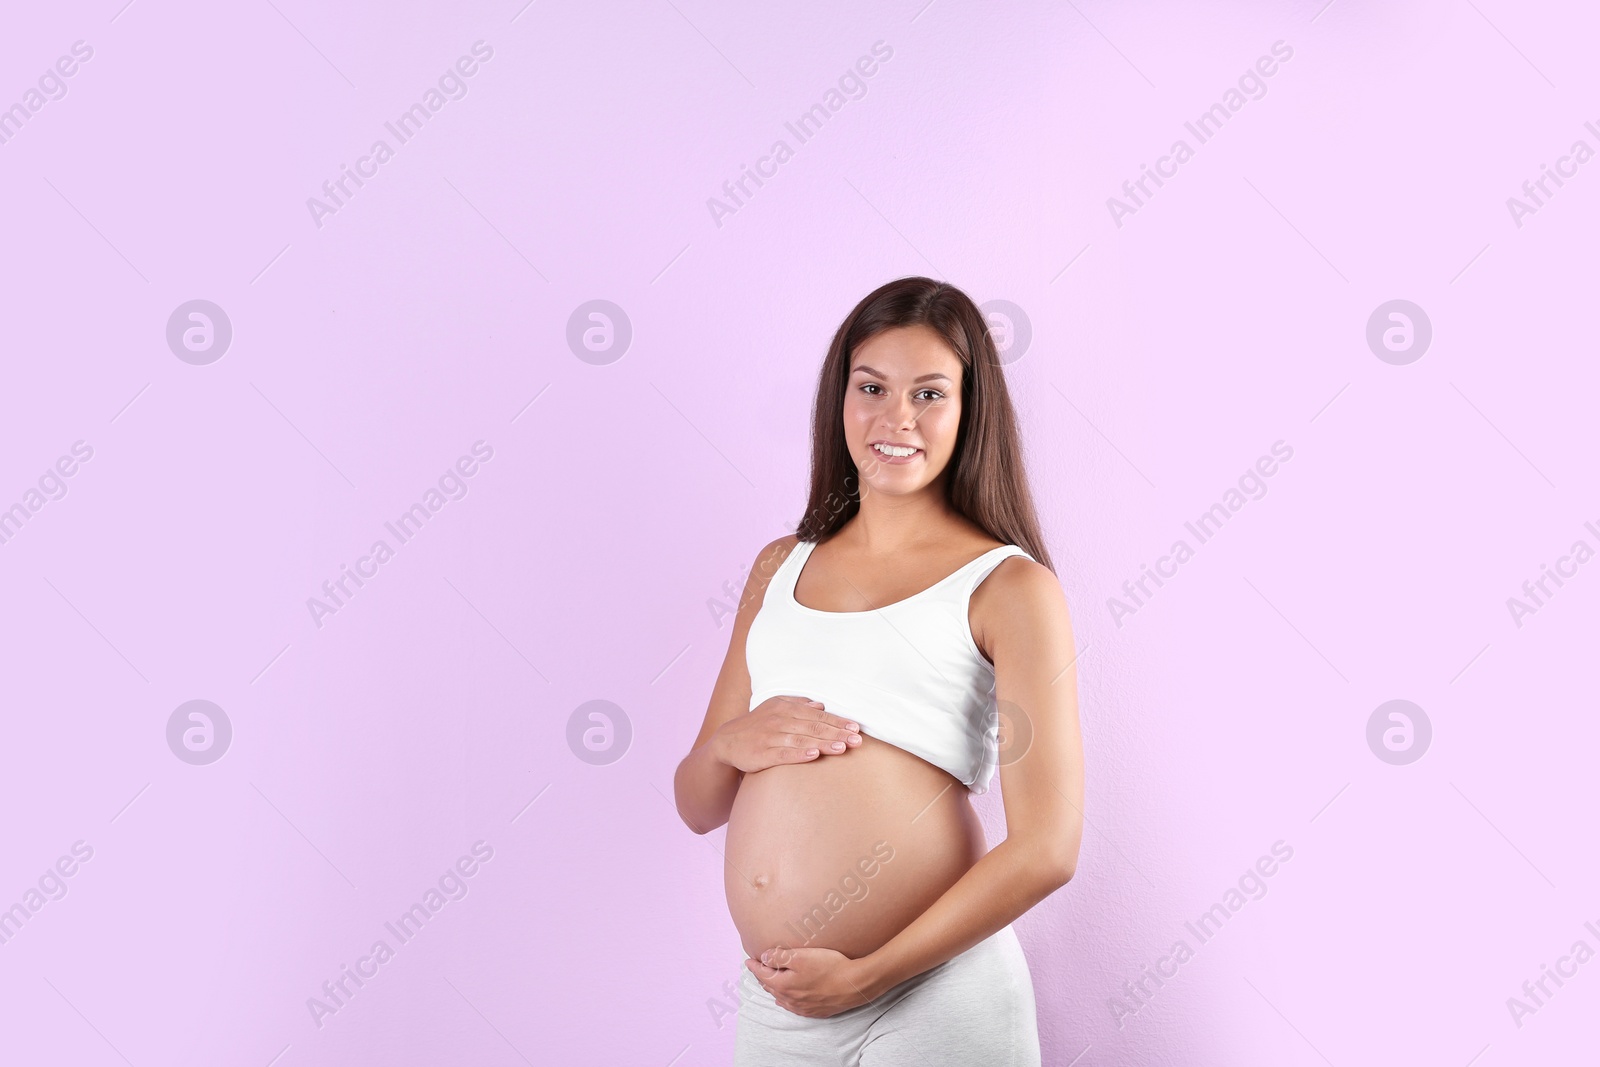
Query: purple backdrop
1305 289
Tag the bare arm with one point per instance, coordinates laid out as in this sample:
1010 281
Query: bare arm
1029 633
705 783
736 739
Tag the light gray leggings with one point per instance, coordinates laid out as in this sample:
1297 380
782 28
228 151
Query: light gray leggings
974 1008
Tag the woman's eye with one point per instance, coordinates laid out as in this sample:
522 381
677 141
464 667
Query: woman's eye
930 394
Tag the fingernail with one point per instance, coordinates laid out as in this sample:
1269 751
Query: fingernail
811 752
837 746
852 727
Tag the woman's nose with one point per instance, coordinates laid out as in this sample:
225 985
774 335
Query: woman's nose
901 414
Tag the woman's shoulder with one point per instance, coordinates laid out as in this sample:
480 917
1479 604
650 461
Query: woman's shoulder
760 573
1020 572
1017 579
771 556
1020 596
1019 585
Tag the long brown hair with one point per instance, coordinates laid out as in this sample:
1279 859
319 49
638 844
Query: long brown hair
986 482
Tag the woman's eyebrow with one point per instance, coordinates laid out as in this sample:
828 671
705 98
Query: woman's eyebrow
864 369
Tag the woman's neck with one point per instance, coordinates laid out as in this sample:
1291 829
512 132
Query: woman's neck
888 525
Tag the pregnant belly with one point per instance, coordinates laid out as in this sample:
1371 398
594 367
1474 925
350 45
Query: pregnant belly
845 851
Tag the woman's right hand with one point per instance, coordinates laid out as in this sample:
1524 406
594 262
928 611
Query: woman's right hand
783 729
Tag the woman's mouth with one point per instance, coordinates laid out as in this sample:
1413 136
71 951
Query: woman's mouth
895 453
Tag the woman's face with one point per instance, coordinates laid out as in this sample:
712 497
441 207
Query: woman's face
904 389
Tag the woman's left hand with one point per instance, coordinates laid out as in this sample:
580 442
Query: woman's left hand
815 982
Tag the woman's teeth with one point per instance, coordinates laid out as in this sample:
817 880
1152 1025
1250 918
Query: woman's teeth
891 450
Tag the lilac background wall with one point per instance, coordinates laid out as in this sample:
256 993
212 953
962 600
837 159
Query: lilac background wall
374 345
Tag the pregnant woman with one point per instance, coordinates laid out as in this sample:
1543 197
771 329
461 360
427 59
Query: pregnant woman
909 641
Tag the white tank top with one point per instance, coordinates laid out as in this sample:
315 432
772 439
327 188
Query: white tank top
908 673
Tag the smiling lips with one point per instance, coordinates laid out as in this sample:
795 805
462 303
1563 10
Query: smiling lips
893 453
